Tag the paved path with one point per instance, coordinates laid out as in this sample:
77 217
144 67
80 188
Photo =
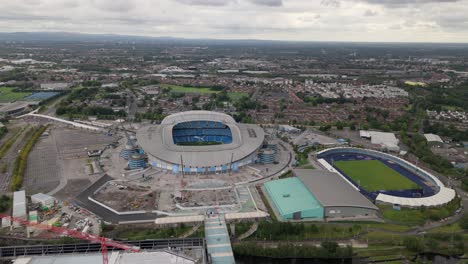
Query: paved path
191 231
249 232
75 124
218 242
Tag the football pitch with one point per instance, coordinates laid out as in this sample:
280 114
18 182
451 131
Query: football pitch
373 175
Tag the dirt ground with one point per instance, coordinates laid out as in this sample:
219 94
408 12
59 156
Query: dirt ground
127 197
208 198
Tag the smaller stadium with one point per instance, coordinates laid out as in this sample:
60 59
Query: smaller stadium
201 142
385 178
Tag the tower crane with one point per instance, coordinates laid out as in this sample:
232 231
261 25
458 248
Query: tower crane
105 242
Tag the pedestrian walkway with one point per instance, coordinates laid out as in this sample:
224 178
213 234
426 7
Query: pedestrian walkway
217 240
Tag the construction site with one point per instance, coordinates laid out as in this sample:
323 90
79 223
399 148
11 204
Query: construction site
103 177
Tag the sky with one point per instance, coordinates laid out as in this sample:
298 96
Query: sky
296 20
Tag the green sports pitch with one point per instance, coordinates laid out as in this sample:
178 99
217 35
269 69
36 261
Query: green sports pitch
373 175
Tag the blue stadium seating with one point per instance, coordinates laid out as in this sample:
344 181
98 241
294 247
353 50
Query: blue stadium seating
198 131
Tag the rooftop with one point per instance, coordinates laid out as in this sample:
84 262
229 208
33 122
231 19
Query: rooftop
115 257
290 195
331 190
433 138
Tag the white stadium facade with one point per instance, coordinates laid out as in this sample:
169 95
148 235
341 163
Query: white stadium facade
200 142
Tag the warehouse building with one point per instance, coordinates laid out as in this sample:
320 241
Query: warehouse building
43 199
338 198
292 200
387 141
19 206
434 139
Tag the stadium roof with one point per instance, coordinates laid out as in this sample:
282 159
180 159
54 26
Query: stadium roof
158 142
197 115
290 195
444 196
433 138
331 190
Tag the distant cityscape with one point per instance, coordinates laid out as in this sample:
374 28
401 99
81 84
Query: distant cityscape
146 150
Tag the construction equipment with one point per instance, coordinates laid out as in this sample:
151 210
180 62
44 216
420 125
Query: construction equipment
105 242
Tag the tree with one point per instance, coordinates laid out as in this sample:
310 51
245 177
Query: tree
330 246
413 244
464 222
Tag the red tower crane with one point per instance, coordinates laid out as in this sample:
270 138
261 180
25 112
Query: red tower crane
105 242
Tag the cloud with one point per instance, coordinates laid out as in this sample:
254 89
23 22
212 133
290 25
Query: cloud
332 3
114 5
370 13
206 2
267 2
345 20
403 3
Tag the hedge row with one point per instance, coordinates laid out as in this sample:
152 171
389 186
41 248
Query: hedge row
21 160
5 147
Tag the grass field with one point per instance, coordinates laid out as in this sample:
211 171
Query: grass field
202 90
373 175
183 89
7 95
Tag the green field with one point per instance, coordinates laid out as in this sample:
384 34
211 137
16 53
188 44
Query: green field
373 175
202 90
183 89
7 95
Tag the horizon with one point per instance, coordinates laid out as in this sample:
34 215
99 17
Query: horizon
402 21
117 35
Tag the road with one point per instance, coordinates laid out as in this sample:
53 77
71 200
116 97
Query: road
105 214
131 105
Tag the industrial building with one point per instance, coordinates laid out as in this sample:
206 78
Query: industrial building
387 141
115 257
293 200
338 198
200 142
43 199
19 206
433 139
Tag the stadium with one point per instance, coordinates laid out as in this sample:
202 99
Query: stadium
200 142
386 178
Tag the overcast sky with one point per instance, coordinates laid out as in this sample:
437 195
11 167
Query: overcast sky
320 20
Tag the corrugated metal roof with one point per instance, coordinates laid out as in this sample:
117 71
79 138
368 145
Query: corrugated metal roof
114 258
290 195
433 138
331 190
19 204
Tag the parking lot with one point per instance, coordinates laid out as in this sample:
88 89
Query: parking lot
58 161
43 171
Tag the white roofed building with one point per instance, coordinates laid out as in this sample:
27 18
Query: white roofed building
387 140
433 138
